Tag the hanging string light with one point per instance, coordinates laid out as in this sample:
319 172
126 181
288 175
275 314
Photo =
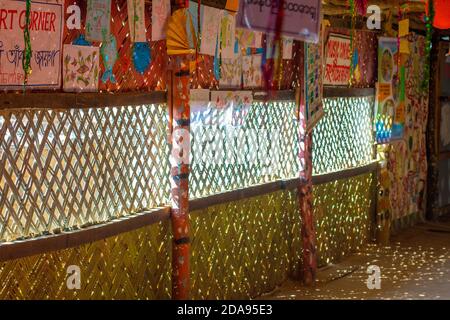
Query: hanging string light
26 60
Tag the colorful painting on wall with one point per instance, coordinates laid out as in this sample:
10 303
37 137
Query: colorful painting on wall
313 90
136 20
251 71
80 68
98 19
387 91
231 73
227 35
210 30
160 15
406 158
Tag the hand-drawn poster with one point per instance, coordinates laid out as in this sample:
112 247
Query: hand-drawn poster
288 44
248 38
235 103
80 68
46 40
160 15
337 61
210 29
136 20
230 73
227 35
313 90
98 19
273 51
251 71
387 89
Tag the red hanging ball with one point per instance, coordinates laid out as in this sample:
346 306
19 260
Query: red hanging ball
441 14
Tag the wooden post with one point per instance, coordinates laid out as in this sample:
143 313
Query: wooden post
179 158
309 266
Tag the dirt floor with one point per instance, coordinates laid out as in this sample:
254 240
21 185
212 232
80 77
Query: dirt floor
416 265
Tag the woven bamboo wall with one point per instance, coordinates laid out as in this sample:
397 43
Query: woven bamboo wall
245 248
132 265
267 141
344 139
342 210
65 169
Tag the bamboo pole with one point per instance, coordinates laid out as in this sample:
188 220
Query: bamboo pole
308 232
180 146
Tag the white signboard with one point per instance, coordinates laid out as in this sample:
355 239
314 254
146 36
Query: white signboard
46 40
301 17
337 63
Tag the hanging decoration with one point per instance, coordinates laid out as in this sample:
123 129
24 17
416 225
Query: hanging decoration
81 41
136 20
98 19
160 16
141 56
109 54
26 61
140 49
441 13
181 33
429 18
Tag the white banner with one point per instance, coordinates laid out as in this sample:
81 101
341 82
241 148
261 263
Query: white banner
46 40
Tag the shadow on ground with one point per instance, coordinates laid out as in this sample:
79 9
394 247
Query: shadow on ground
415 266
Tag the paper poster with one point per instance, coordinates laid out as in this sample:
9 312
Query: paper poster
251 71
80 68
288 44
223 99
136 20
98 19
388 90
313 84
227 35
198 100
235 103
403 27
46 43
301 18
248 38
337 61
210 29
160 15
230 73
272 50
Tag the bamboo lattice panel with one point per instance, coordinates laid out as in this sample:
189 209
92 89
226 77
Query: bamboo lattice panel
245 248
343 139
133 265
66 169
263 149
342 210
